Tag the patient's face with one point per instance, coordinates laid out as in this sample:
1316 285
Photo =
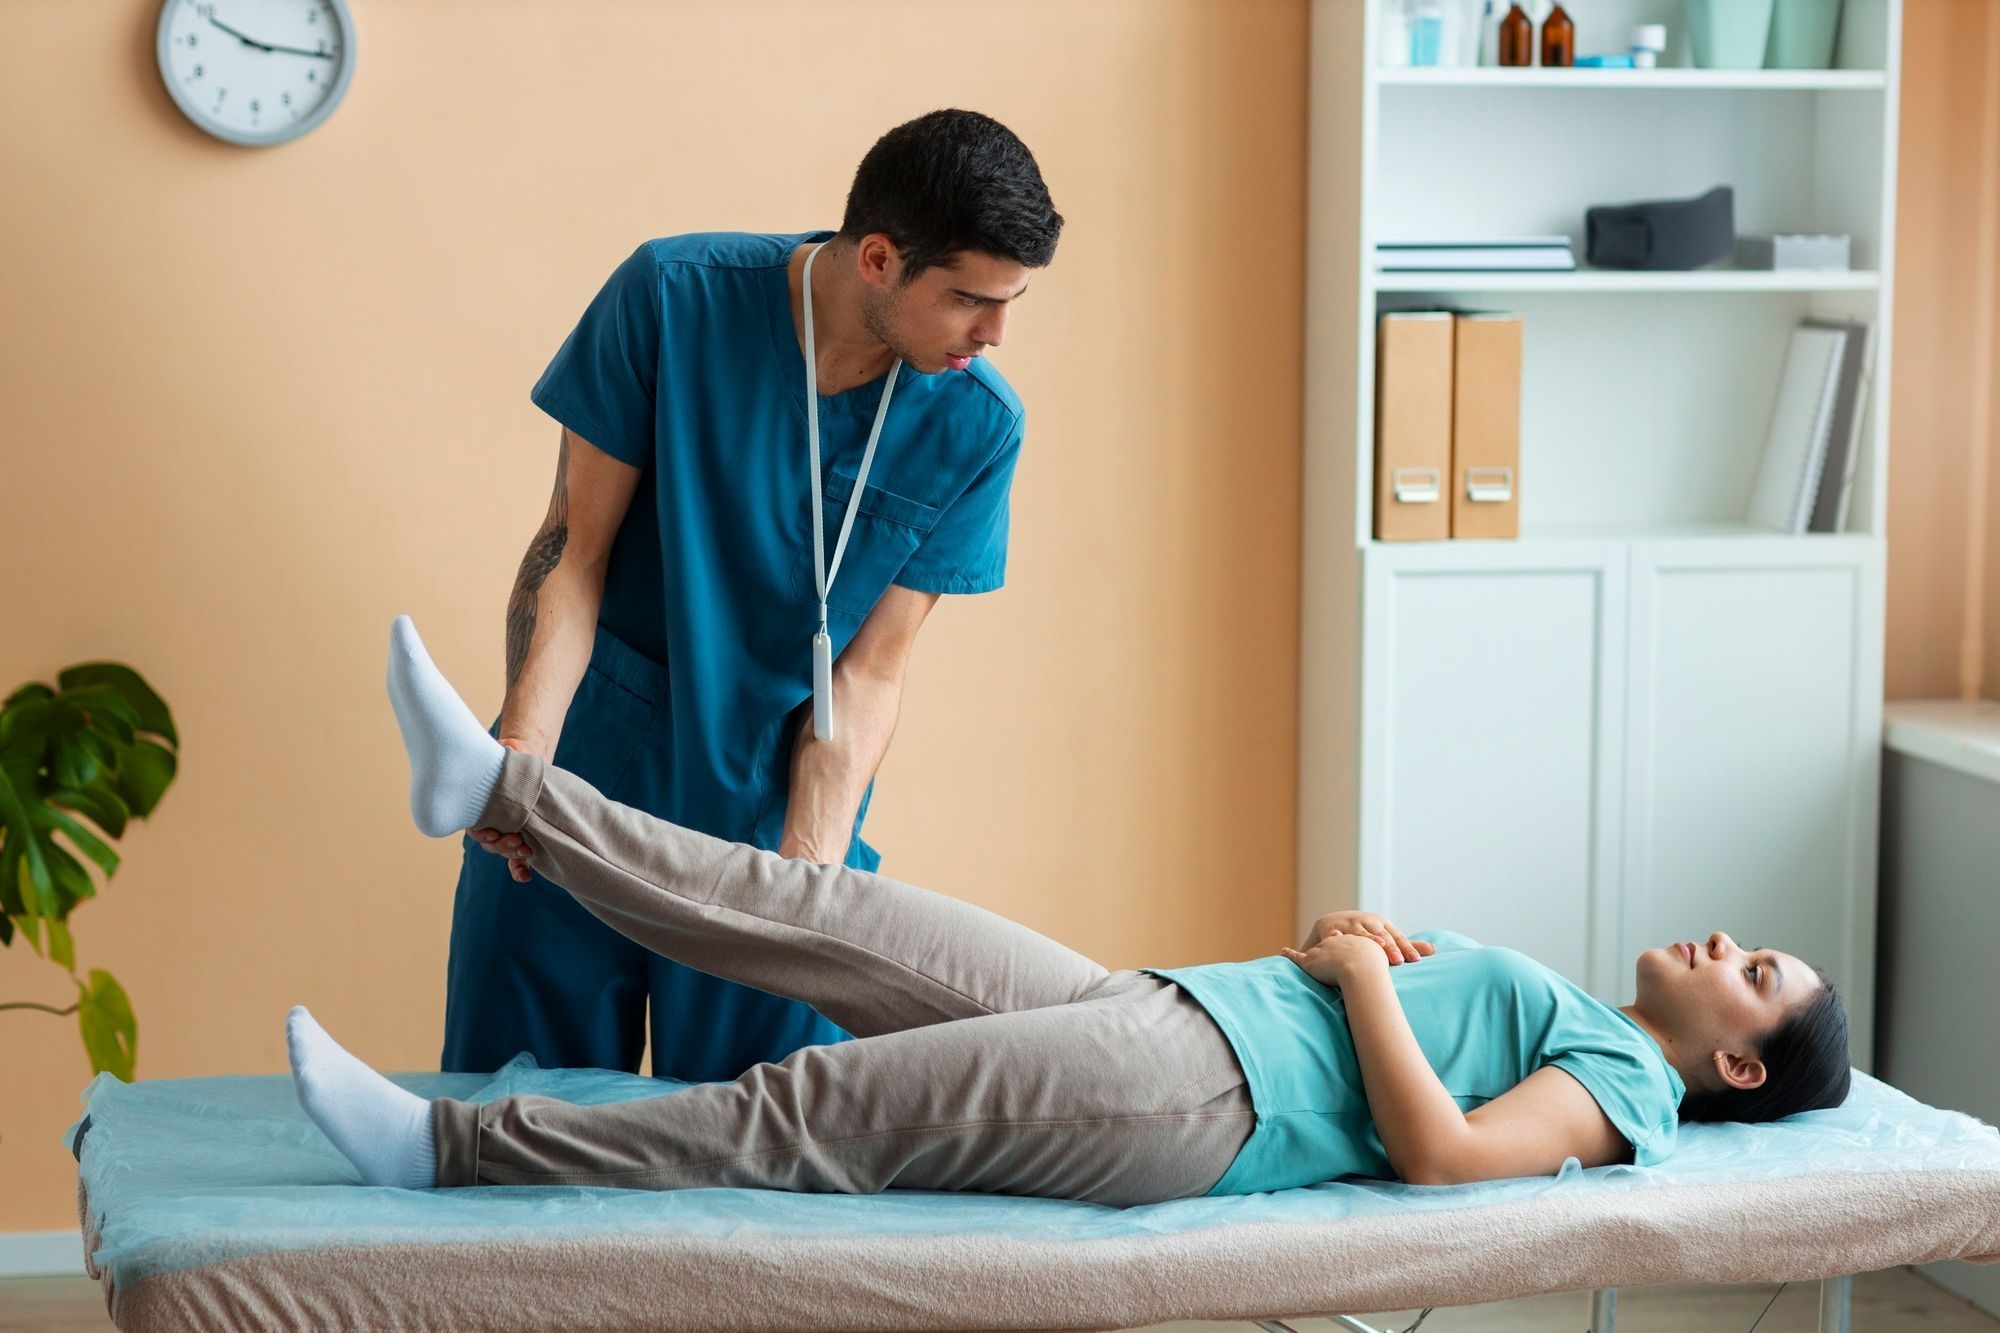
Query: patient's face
1712 994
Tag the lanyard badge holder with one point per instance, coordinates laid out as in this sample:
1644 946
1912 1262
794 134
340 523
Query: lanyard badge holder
823 575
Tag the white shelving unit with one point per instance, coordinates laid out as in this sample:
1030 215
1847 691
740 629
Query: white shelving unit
1612 280
1645 719
1637 80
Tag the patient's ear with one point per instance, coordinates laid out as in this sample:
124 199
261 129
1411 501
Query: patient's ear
1741 1072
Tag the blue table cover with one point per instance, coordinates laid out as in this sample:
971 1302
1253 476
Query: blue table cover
185 1172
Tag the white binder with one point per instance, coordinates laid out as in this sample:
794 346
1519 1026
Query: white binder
1801 424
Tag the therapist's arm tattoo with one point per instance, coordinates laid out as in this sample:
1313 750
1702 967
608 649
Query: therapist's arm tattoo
544 554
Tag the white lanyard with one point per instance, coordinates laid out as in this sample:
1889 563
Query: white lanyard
824 575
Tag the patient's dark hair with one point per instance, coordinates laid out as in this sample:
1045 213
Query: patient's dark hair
1805 1068
951 181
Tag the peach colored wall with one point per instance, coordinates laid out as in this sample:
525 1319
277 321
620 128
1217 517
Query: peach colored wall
1944 547
258 402
261 401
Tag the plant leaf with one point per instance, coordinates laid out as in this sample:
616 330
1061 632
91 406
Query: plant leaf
102 806
78 756
34 878
62 949
144 775
26 726
90 750
90 728
69 884
149 711
13 866
102 708
110 1032
86 842
34 689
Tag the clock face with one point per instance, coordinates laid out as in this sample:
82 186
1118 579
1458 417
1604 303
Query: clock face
256 71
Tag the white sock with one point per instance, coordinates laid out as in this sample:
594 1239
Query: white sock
454 764
381 1128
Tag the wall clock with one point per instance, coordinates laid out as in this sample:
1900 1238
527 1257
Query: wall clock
256 72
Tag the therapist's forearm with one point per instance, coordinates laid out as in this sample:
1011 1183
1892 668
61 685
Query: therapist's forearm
551 629
1420 1125
829 777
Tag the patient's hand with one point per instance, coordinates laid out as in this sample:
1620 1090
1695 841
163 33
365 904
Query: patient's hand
1399 947
513 846
1337 958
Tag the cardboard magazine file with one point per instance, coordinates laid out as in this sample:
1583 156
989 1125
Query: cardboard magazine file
1486 425
1413 426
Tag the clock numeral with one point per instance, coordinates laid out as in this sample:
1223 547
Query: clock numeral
191 38
197 71
312 16
205 11
322 46
285 99
255 106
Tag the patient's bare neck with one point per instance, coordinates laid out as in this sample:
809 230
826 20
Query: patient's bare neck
1668 1046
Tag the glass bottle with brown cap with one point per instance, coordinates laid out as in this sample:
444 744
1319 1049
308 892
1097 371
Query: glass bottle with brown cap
1558 39
1517 37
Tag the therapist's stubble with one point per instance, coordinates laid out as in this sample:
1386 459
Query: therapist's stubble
869 315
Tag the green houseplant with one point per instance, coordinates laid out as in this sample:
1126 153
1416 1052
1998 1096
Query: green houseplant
98 749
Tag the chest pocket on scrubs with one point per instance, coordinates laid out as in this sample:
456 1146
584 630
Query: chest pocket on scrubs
888 528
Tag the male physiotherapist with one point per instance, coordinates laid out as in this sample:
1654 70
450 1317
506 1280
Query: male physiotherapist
777 452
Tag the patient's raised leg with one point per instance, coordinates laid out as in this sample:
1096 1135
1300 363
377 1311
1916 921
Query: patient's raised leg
872 954
453 762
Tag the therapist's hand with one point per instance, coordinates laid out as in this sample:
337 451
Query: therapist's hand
510 845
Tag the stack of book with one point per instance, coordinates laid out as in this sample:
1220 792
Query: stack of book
1814 437
1504 254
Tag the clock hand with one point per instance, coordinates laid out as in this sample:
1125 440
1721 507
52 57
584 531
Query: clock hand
245 38
266 46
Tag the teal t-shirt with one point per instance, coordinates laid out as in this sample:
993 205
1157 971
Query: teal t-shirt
1485 1018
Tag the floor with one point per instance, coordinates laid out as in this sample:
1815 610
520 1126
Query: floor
1896 1299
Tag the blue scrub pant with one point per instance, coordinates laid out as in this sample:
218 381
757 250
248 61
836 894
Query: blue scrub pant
532 970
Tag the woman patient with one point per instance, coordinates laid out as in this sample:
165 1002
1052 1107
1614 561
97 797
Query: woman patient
990 1058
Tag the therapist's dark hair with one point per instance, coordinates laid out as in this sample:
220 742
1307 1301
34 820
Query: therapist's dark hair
948 182
1805 1068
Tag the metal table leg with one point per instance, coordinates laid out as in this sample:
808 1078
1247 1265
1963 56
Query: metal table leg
1836 1305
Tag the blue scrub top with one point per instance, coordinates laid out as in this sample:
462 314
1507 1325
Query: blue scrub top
1485 1019
686 364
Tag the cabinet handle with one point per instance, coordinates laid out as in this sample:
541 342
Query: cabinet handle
1489 485
1416 485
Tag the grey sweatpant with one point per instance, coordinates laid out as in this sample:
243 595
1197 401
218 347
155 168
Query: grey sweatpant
987 1057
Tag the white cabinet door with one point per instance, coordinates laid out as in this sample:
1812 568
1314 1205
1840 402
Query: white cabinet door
1491 679
1752 752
